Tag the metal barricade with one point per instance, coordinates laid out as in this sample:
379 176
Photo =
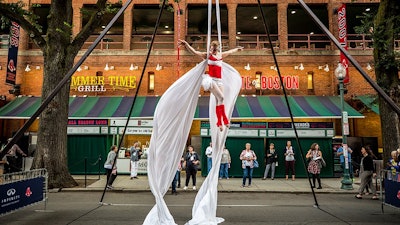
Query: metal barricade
22 189
389 184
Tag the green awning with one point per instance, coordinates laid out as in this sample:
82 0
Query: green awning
85 107
371 101
258 107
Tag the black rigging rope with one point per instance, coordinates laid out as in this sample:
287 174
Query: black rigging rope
287 100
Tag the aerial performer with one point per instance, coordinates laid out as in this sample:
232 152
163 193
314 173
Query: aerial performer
173 119
213 81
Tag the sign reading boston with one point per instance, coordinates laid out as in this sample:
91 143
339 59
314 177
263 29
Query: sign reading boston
98 83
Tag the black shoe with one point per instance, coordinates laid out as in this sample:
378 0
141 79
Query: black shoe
179 186
319 187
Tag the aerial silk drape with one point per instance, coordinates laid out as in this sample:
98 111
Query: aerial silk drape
173 118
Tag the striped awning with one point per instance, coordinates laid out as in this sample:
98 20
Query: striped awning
268 107
275 107
371 101
85 107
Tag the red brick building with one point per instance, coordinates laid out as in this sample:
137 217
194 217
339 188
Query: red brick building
306 57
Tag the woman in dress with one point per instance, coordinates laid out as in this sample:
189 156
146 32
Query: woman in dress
314 155
213 82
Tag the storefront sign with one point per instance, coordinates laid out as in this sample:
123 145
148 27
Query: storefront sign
98 83
242 133
132 123
136 130
270 82
85 122
274 129
301 133
244 125
307 125
83 130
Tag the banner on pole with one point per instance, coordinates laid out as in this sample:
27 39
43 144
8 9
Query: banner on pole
12 54
343 39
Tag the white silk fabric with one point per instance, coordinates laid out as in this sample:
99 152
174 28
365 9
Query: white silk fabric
205 206
172 121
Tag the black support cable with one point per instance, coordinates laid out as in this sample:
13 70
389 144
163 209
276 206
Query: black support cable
287 101
57 89
137 90
377 88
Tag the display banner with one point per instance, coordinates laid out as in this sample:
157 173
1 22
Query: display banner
392 192
343 39
12 54
19 194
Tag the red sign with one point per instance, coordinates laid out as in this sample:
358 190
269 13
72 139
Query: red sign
270 82
343 39
88 122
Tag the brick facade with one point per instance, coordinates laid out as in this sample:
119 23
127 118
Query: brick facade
259 60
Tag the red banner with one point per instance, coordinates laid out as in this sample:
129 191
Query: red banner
343 39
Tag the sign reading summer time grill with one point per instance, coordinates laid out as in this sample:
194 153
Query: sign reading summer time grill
270 82
99 83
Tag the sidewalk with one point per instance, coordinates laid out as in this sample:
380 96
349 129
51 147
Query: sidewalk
278 185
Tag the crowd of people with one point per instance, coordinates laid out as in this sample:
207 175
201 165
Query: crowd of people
190 163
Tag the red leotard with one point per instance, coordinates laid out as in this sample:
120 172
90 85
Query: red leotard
214 67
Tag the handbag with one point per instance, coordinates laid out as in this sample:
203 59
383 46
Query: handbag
114 171
255 164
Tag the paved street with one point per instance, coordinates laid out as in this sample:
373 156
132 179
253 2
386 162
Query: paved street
236 208
276 201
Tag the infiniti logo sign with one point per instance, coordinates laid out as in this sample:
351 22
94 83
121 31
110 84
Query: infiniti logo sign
11 192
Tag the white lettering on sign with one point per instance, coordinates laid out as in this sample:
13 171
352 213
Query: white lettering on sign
301 133
83 130
136 130
132 123
271 82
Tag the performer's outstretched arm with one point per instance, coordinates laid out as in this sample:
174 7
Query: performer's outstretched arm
203 55
226 53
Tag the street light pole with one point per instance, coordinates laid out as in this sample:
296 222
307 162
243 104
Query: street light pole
340 73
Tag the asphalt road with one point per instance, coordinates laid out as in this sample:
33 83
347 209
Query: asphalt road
237 208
